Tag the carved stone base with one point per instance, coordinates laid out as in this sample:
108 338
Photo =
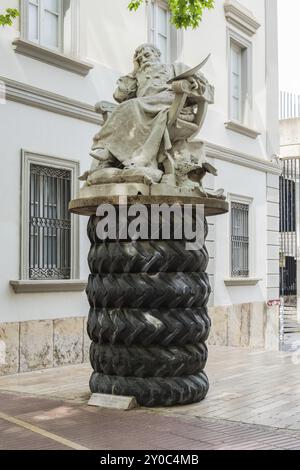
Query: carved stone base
148 319
137 189
111 189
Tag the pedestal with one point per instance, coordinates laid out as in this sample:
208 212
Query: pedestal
148 318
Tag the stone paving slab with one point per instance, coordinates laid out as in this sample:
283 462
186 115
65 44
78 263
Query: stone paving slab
70 383
80 426
13 437
254 387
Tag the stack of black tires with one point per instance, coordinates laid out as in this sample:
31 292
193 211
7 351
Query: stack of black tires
148 319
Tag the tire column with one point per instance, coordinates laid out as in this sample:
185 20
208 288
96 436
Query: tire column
148 319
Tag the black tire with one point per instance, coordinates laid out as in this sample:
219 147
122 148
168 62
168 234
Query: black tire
148 327
157 391
146 257
143 290
154 361
93 326
148 319
93 221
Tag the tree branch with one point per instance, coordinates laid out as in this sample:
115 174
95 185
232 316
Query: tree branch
184 13
7 18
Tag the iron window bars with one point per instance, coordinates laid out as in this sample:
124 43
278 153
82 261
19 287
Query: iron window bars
49 223
239 239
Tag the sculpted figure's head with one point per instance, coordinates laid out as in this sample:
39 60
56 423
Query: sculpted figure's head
146 54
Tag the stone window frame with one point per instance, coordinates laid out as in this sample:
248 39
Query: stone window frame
236 40
251 279
69 59
245 124
28 158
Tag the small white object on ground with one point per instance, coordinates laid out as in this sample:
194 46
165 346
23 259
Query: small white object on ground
112 401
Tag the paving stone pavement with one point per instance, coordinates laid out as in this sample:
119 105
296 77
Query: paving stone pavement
255 387
36 423
255 395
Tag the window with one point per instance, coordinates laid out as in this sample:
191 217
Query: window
160 28
288 202
50 32
49 231
239 93
240 79
52 24
239 239
49 223
45 22
236 82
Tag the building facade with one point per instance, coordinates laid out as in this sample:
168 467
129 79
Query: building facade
60 58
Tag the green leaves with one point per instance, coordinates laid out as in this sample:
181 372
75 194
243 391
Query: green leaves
134 5
188 13
184 13
7 18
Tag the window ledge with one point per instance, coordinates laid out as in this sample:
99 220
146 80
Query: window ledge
35 51
242 281
65 285
241 129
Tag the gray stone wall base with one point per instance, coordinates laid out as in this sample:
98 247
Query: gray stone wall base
43 344
252 325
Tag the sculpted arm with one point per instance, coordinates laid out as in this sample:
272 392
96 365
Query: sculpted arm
126 89
198 80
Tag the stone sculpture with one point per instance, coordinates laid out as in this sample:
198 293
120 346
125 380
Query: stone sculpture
145 139
148 318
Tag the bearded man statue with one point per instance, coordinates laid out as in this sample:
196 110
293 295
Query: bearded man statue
136 132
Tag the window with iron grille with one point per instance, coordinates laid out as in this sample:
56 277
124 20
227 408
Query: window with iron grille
239 239
287 190
49 223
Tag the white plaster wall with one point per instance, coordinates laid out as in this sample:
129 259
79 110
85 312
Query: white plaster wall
109 34
272 77
111 23
252 184
212 37
49 133
108 37
101 80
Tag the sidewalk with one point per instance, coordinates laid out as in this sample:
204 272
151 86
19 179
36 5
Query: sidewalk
42 423
254 402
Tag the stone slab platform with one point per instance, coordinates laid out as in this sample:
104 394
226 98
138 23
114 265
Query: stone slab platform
88 206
